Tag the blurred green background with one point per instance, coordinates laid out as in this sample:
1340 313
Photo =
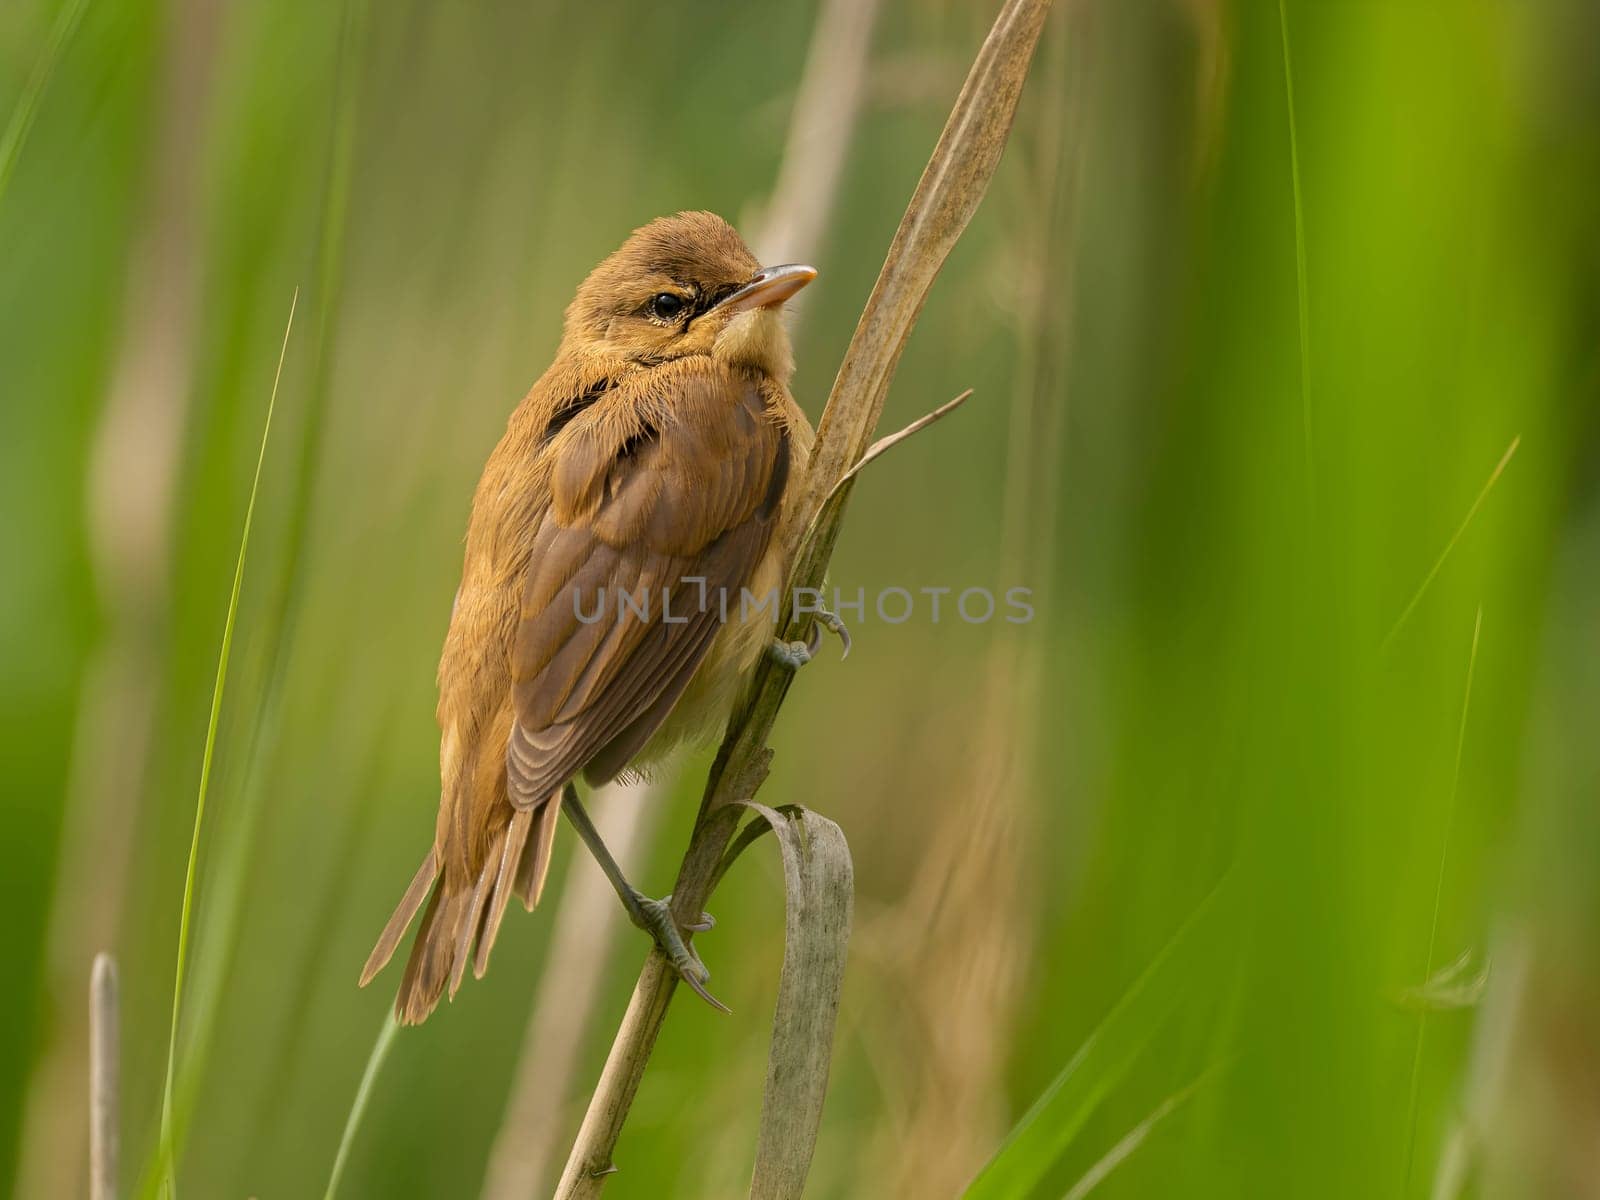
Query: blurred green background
1227 449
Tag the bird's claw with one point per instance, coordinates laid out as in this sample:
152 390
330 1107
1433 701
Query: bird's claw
795 655
834 624
655 918
695 975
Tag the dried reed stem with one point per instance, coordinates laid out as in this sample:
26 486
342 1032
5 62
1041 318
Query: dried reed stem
105 1075
948 194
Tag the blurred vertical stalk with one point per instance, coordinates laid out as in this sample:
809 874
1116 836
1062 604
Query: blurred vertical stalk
586 927
105 1079
792 225
821 128
131 481
965 919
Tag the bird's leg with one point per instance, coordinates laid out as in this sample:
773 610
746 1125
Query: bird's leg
797 654
653 916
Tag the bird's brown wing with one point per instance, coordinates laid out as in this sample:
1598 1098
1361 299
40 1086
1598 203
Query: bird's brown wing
670 500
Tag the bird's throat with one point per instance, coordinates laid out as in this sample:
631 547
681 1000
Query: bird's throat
757 339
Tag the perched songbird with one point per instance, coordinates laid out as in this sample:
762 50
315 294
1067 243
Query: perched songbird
651 463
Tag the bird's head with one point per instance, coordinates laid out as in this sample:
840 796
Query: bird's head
686 285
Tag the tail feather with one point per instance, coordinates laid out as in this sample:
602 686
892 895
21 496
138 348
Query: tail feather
534 868
405 912
510 858
443 938
471 918
456 916
428 968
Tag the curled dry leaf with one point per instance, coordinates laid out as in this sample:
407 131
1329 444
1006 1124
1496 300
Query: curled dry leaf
818 899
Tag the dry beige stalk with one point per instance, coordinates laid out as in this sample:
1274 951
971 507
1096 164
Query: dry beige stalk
948 194
964 919
826 110
105 1079
585 933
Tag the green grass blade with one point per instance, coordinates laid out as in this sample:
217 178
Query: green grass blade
280 612
1131 1141
1438 896
1303 287
16 133
167 1172
358 1107
1477 503
1047 1129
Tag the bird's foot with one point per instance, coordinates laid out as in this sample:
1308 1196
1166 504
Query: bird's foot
795 655
705 923
655 918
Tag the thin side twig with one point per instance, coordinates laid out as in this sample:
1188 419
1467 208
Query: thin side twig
885 444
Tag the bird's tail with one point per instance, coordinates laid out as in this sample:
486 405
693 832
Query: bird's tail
459 915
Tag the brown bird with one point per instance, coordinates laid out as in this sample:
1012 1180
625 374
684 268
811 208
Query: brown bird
599 622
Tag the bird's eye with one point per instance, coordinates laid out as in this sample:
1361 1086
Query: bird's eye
665 306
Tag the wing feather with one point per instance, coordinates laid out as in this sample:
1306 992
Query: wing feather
670 503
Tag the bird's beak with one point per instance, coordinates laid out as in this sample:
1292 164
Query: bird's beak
770 287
